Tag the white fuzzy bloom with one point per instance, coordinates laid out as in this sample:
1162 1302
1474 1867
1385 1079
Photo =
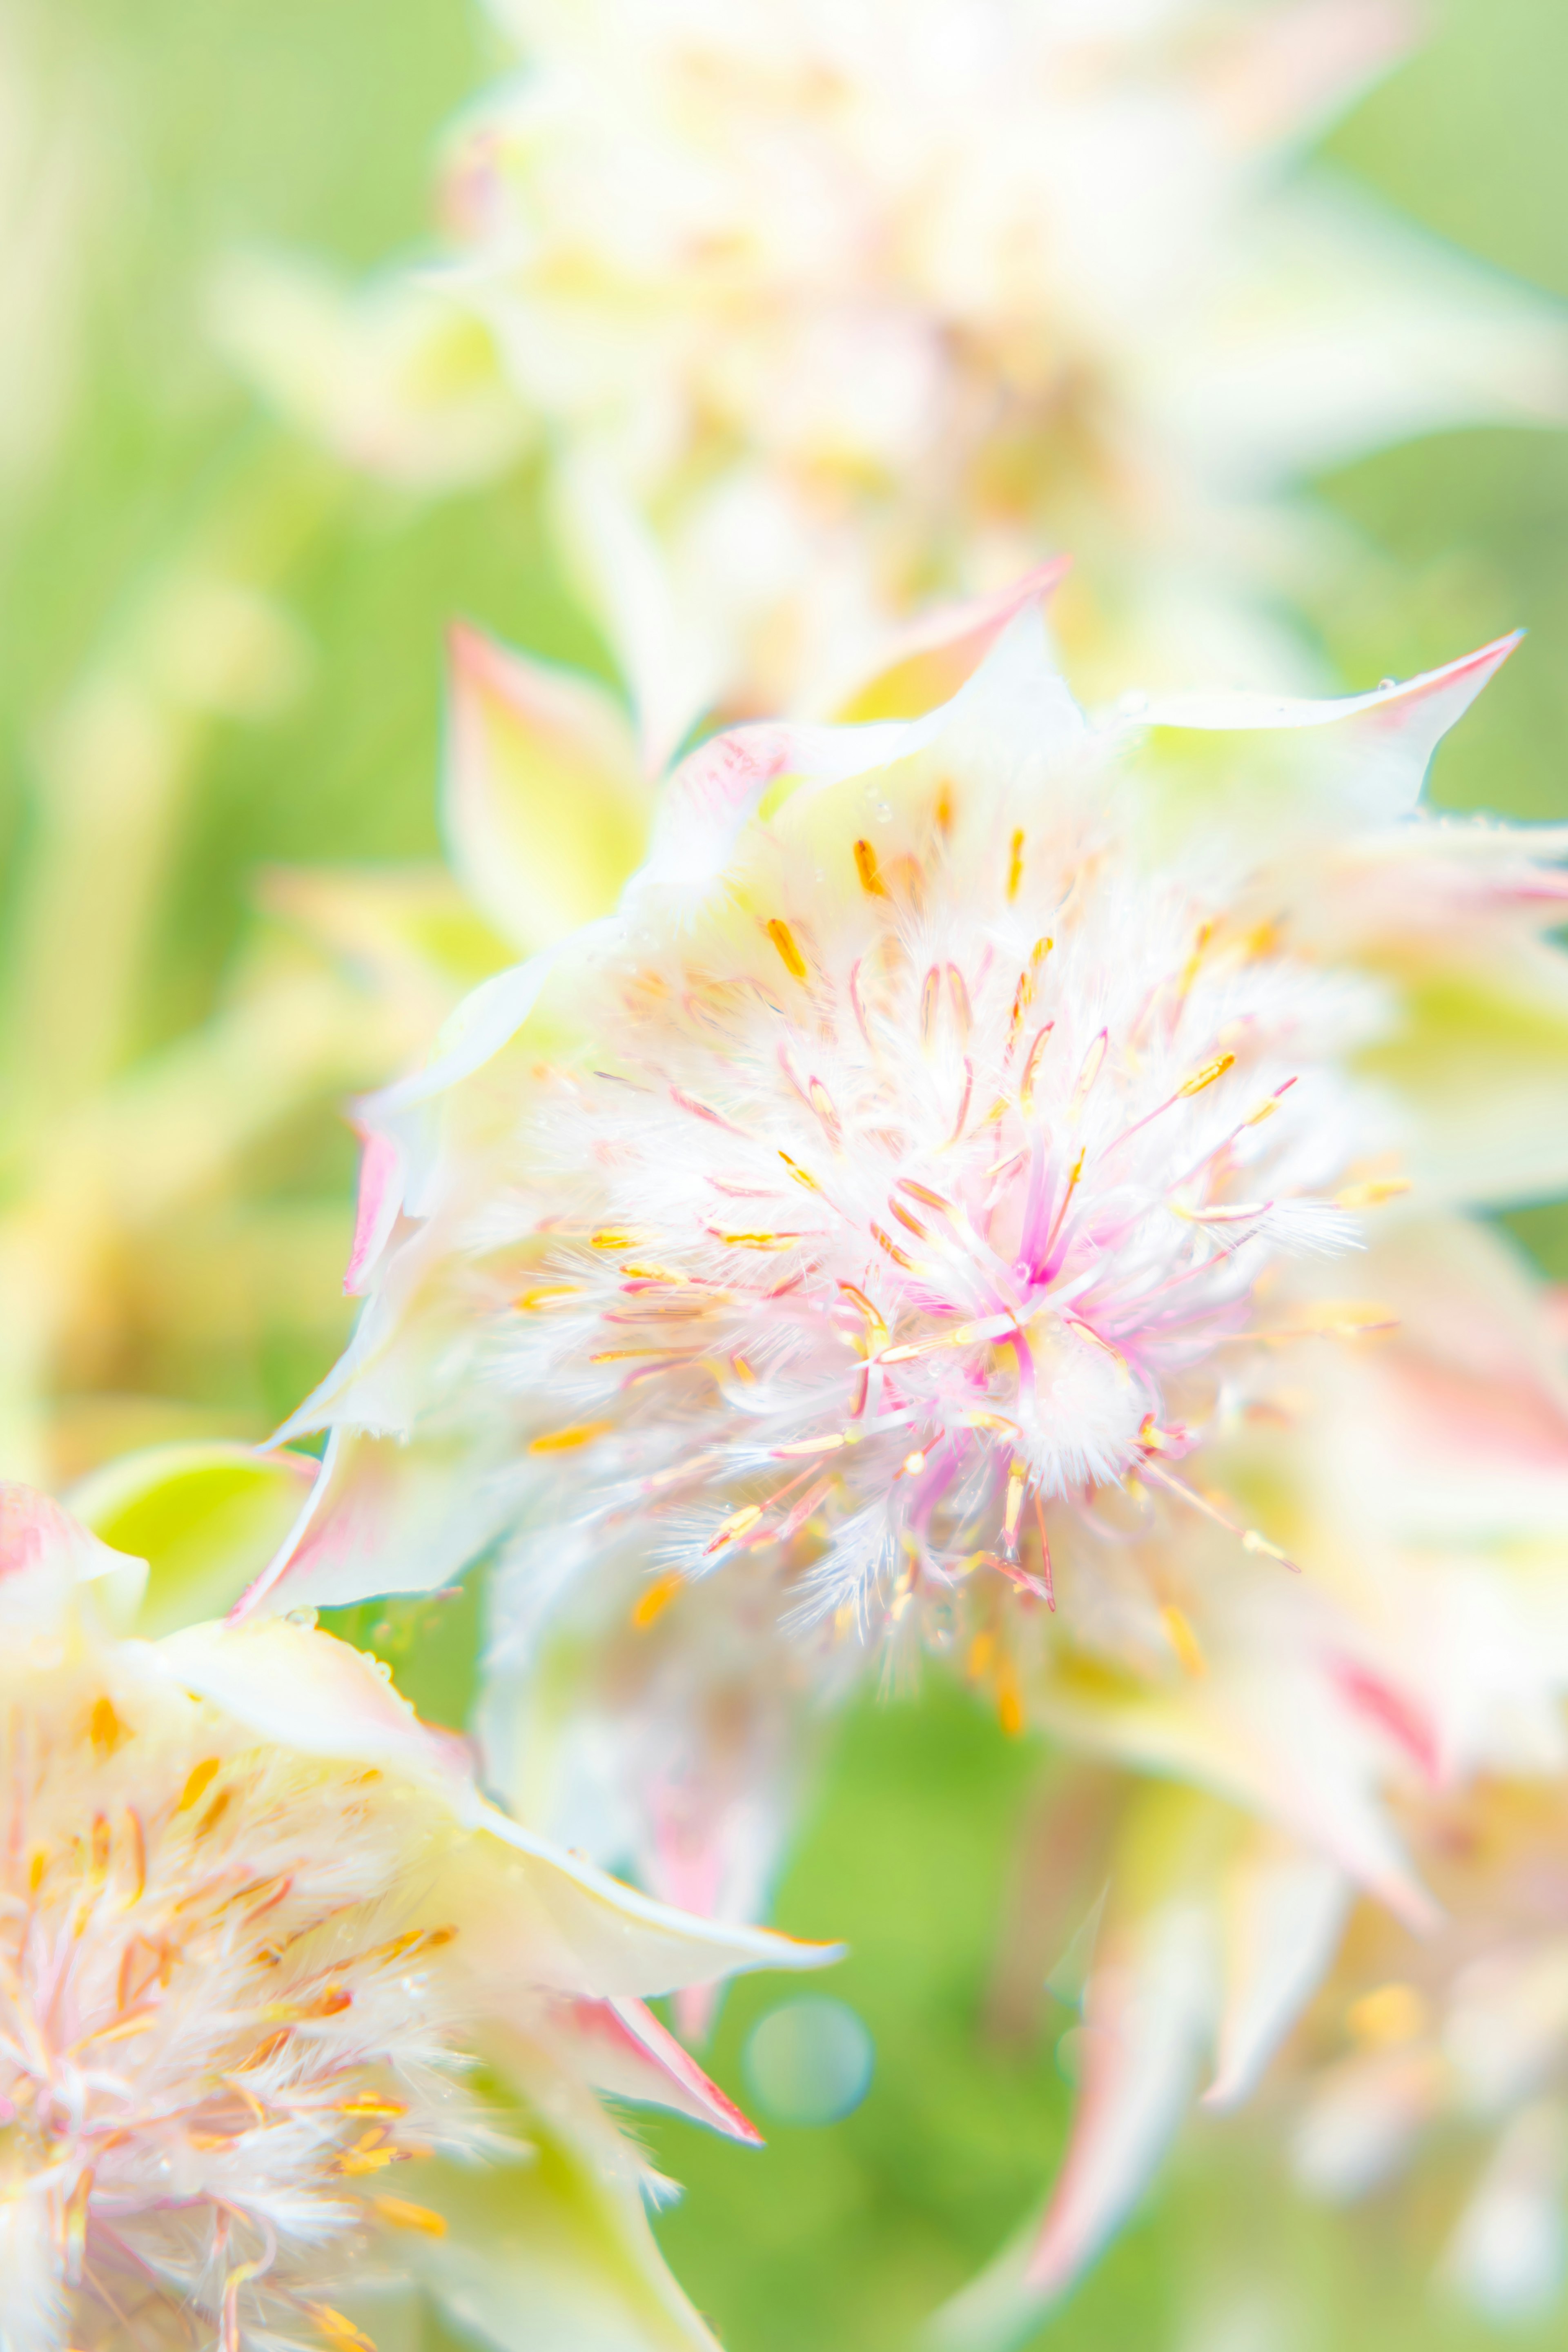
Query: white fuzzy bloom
259 1935
881 1220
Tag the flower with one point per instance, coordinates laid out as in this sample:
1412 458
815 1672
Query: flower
1419 1664
803 347
297 2030
1467 2029
882 1219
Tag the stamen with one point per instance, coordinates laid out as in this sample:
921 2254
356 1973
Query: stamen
866 865
652 1604
1087 1076
1207 1075
1031 1068
566 1441
783 939
1014 865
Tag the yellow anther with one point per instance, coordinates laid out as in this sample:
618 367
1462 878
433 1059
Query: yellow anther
801 1175
1207 1075
543 1301
623 1237
783 939
1015 866
405 2216
892 1250
656 1598
341 2333
566 1441
738 1524
1182 1640
758 1241
866 865
877 1330
200 1778
105 1729
1372 1193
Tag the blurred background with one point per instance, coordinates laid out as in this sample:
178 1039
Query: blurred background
220 673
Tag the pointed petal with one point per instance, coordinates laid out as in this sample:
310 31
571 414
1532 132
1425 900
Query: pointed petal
382 1516
544 807
936 653
584 1932
1480 1061
621 2048
408 1111
205 1518
46 1555
1144 2025
554 2253
1146 2015
1362 758
1283 1916
309 1691
673 670
715 794
380 1188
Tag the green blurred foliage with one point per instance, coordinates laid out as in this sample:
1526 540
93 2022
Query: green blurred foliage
200 123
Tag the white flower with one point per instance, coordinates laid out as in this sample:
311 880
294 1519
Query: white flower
294 2027
885 1217
817 312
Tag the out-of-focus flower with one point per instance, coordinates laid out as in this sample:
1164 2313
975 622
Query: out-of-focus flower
300 2032
865 1240
819 311
1423 1656
1463 2034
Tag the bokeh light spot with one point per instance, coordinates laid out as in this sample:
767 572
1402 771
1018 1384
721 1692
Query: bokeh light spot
809 2061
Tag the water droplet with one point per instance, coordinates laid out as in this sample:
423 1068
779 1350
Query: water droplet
1383 683
883 812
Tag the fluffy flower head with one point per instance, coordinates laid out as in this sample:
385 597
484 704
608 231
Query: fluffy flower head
904 1169
257 1933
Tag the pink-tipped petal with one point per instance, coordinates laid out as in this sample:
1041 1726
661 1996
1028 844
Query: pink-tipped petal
929 659
1145 2022
380 1199
1365 755
544 807
624 2050
44 1554
381 1518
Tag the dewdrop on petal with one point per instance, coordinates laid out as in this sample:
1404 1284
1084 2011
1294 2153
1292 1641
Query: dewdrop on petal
904 1180
260 1940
